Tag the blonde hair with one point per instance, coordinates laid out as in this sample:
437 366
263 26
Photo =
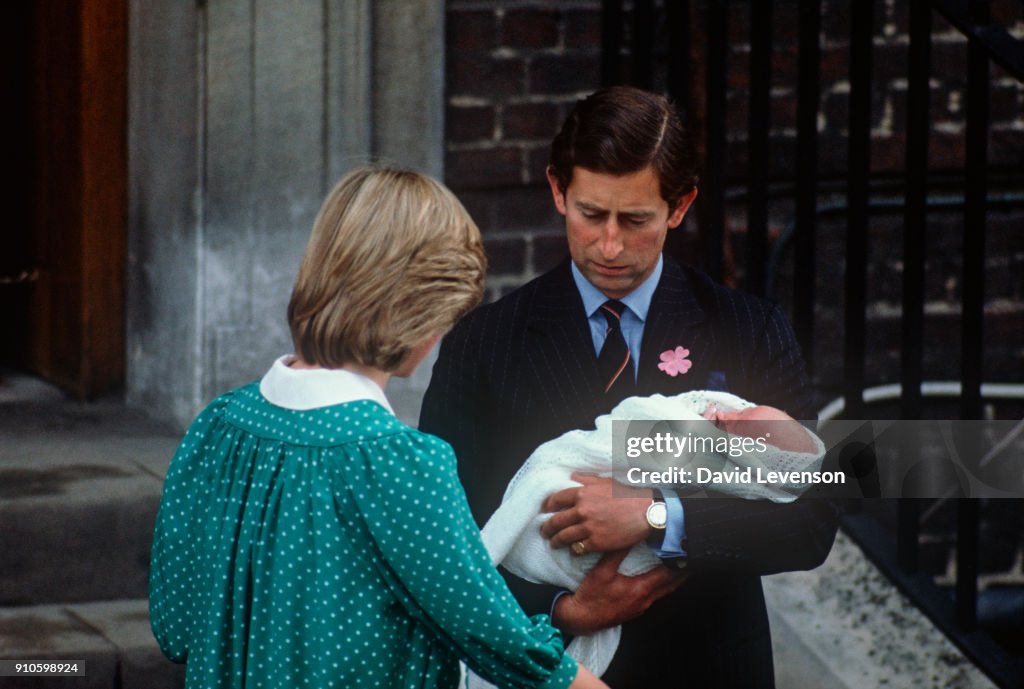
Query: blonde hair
394 259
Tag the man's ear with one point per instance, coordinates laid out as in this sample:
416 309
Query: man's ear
679 213
556 193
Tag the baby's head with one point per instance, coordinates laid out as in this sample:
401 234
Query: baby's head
761 421
732 420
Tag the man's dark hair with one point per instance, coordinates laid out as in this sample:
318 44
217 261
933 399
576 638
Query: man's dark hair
619 130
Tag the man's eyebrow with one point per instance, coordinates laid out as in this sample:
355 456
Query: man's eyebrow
584 206
639 213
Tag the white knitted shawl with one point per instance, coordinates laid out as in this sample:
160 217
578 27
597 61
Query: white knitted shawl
512 534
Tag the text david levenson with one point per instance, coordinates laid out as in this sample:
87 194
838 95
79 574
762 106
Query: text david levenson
748 475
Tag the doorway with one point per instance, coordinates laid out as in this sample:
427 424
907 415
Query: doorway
62 267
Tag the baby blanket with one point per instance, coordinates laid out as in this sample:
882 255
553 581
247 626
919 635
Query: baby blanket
512 534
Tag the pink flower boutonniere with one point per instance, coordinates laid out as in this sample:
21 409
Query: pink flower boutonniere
674 361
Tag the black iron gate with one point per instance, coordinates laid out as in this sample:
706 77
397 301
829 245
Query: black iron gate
650 44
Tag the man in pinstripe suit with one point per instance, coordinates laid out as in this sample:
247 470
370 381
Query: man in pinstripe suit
568 346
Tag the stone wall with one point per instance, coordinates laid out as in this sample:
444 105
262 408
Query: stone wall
242 115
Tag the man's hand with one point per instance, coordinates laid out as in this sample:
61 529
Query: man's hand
607 598
591 515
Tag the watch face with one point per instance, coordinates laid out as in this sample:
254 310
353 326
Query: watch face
657 515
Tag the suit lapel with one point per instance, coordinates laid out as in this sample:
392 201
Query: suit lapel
560 348
676 319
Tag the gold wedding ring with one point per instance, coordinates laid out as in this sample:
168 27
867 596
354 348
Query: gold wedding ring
578 548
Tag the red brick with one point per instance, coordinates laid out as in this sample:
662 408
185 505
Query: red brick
1007 104
1006 12
939 105
835 20
548 252
945 151
471 30
530 121
561 74
782 151
878 113
737 107
738 23
479 75
836 110
736 161
530 28
505 255
949 62
512 209
783 109
737 71
483 168
537 159
835 65
901 17
784 67
471 123
583 30
890 62
889 154
899 110
786 23
1006 150
832 154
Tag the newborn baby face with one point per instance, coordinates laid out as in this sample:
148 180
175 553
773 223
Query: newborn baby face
762 421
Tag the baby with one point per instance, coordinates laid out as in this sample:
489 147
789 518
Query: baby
755 422
512 534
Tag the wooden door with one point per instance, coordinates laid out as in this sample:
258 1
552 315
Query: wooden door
65 269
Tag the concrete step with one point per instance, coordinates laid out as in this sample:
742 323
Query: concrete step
112 637
845 626
79 489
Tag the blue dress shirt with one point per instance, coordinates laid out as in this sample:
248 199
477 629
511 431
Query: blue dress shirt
638 303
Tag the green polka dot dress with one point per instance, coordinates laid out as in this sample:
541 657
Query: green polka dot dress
330 547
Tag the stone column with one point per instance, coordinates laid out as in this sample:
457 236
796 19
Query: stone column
242 115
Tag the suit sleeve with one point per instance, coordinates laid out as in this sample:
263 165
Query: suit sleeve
456 408
777 374
754 535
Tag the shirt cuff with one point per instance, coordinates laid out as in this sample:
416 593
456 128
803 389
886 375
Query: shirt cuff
675 527
554 601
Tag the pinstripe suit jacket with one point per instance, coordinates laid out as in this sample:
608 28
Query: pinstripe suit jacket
520 371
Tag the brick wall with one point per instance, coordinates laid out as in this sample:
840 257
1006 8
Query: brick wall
514 71
515 68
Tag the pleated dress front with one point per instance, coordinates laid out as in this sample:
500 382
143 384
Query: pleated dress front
330 547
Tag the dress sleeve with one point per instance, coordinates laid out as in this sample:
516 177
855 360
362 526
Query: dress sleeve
172 574
431 556
455 408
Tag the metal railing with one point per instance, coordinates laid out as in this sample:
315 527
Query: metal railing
649 44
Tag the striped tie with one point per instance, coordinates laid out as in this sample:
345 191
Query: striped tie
614 362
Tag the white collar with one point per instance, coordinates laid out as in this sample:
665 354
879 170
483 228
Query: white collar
309 388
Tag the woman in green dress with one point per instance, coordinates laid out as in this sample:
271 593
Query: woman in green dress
307 537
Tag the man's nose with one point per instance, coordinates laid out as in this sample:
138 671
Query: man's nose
611 240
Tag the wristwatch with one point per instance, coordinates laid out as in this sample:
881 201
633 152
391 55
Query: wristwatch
657 513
